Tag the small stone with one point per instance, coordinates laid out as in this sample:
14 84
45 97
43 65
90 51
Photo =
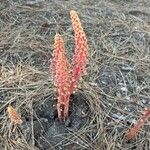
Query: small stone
124 89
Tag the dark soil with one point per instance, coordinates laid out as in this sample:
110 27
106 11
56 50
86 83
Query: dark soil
48 129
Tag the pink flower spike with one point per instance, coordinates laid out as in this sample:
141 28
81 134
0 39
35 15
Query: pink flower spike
131 133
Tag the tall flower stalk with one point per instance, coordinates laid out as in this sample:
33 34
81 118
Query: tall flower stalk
66 75
61 69
80 58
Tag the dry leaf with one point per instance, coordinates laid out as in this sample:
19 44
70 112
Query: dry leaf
13 115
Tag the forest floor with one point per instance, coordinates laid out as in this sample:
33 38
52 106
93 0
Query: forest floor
109 99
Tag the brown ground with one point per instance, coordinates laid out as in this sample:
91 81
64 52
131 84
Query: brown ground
109 99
